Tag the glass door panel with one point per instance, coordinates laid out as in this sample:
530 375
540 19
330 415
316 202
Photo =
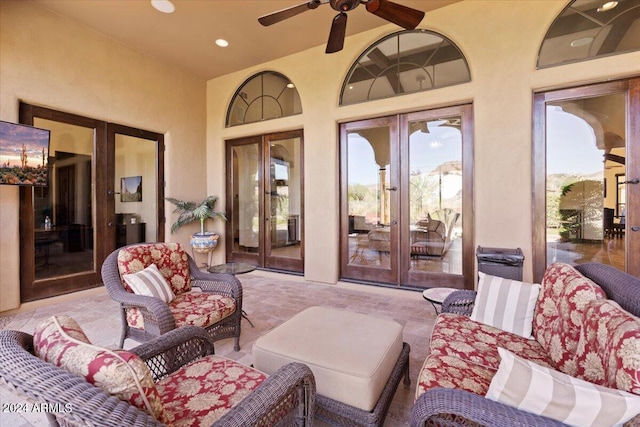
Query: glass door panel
245 207
284 202
370 193
435 196
136 201
63 215
586 156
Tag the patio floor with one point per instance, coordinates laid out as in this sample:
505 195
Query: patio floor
269 300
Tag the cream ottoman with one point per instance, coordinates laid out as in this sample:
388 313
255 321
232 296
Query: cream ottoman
357 360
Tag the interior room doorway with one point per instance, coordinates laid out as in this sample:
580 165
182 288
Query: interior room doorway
69 227
265 201
406 186
587 171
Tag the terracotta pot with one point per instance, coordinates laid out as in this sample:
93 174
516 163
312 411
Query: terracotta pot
204 242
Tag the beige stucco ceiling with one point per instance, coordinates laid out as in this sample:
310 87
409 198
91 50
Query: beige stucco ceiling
186 37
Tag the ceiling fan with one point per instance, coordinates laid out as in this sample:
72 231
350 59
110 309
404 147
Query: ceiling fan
398 14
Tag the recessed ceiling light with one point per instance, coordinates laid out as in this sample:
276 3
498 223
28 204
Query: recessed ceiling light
581 42
607 6
350 87
291 86
164 6
222 43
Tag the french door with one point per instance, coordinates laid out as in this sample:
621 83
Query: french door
265 193
83 204
406 205
587 176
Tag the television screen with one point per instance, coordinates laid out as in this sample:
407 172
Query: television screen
24 155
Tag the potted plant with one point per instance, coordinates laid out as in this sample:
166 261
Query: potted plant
204 241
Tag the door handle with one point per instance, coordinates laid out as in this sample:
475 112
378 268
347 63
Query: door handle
110 224
633 181
635 228
391 188
112 193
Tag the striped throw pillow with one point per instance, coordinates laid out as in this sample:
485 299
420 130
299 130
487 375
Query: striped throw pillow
506 304
150 282
544 391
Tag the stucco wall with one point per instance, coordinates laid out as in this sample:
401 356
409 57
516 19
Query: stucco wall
500 40
48 60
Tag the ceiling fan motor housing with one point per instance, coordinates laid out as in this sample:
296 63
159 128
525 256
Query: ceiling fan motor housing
344 5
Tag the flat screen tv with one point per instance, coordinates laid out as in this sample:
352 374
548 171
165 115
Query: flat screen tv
24 155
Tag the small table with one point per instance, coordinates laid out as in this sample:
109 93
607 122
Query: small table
234 268
436 296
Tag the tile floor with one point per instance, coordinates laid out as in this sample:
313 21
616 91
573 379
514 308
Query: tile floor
269 299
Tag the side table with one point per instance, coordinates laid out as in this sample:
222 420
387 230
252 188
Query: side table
436 296
234 268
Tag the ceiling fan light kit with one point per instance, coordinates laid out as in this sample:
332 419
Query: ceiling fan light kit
395 13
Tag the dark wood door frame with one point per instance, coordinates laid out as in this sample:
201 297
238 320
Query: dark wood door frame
631 87
102 170
261 257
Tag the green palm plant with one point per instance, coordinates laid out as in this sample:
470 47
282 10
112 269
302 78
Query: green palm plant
190 212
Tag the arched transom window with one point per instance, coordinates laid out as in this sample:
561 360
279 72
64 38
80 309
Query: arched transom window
588 29
263 96
404 62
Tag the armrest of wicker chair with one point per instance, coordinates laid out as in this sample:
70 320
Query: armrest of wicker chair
453 407
459 302
287 397
225 284
77 402
171 351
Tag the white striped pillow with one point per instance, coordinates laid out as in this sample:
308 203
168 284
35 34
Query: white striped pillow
543 391
150 282
506 304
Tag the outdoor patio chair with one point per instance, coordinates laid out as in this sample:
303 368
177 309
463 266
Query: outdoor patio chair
170 291
174 379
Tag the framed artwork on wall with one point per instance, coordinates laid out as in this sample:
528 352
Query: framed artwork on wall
131 189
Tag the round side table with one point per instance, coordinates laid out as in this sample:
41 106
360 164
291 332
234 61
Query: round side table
436 296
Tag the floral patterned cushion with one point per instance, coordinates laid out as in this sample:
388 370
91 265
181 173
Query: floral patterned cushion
170 258
192 308
202 392
557 319
60 341
458 335
609 347
453 372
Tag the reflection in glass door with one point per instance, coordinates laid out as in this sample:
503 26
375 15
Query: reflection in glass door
284 201
265 201
435 195
587 196
406 186
370 192
586 155
63 217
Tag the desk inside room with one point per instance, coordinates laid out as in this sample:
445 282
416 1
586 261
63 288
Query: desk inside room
127 234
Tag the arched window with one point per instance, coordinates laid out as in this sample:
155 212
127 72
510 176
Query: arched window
588 29
263 96
404 62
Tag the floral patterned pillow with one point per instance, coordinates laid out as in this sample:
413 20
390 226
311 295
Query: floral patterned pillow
60 341
170 258
609 348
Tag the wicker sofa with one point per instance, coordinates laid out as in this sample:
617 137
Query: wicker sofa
573 324
183 381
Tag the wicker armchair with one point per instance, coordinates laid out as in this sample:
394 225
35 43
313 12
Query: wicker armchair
285 398
144 317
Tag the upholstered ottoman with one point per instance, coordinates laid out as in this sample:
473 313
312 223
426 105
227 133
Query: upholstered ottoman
357 360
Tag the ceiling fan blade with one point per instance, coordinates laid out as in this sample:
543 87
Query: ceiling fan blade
283 14
403 16
338 31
